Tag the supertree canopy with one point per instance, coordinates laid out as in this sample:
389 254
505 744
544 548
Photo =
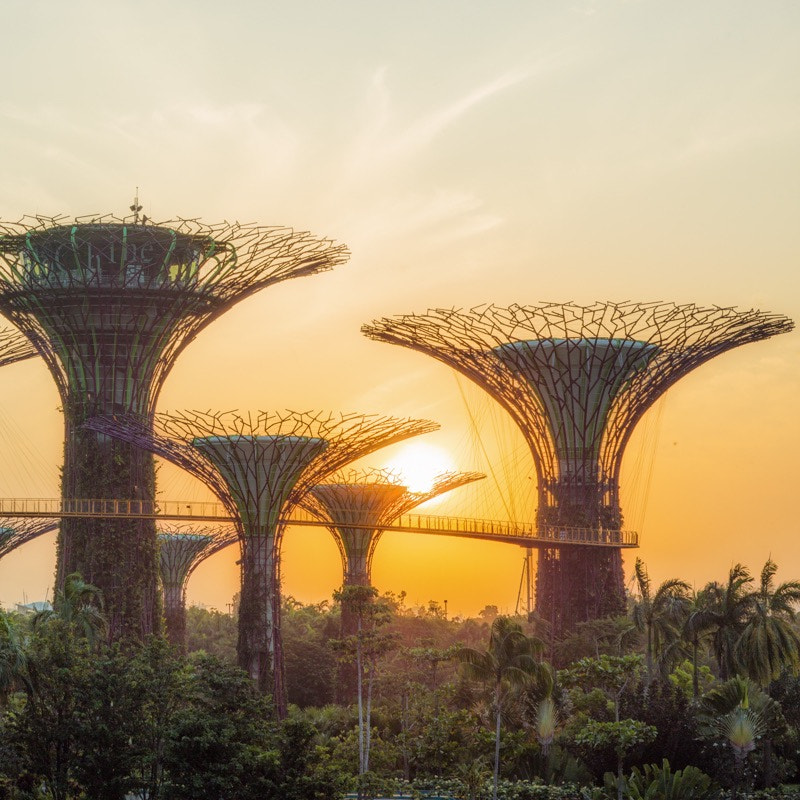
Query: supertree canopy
181 550
576 380
261 466
15 532
109 304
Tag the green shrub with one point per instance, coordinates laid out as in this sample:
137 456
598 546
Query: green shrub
661 783
506 790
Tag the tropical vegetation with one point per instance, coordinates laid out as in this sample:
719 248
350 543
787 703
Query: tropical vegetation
692 694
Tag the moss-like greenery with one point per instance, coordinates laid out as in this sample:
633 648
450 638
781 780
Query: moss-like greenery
117 555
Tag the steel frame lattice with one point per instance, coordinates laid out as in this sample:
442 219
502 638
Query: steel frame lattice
14 346
260 466
181 550
109 304
576 380
16 532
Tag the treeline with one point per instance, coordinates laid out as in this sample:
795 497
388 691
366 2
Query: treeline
84 719
690 694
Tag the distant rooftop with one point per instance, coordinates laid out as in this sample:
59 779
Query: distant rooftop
33 608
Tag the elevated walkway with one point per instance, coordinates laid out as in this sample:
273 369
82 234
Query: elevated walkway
522 534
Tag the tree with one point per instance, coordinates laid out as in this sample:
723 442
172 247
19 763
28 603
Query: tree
511 662
612 636
221 739
211 631
79 605
769 643
13 659
106 725
309 659
161 679
659 615
724 614
432 657
621 736
366 646
611 676
739 714
667 707
60 692
699 623
546 722
44 727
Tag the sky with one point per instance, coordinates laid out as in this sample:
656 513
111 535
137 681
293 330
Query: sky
466 152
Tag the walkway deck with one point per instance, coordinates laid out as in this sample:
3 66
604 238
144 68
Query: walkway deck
522 534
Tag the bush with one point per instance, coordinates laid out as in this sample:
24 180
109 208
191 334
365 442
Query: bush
506 790
660 783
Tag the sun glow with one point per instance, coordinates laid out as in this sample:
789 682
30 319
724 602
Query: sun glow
419 464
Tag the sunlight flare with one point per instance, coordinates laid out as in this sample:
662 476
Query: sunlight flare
418 465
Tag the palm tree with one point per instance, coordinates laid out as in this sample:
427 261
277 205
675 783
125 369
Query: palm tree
511 662
769 643
727 609
659 615
79 606
697 626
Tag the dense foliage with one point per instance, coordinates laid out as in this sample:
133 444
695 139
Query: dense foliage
692 694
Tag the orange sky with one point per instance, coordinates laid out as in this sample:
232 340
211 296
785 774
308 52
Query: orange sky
467 153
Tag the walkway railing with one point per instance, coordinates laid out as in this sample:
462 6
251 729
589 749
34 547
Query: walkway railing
523 534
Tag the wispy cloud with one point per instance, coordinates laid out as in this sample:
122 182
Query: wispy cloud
425 130
380 142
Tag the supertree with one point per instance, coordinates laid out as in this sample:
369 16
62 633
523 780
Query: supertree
357 506
576 380
109 304
260 466
181 550
16 531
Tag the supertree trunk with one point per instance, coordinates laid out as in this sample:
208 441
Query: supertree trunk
259 610
119 556
175 616
578 584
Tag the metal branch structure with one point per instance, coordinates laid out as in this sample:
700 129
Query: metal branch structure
15 532
576 380
109 304
181 550
359 505
260 466
14 346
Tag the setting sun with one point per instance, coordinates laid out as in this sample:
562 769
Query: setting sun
418 464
